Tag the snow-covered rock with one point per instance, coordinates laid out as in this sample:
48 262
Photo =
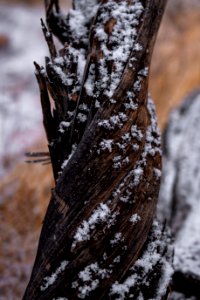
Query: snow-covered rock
180 191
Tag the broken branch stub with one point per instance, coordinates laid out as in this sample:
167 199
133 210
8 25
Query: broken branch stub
106 158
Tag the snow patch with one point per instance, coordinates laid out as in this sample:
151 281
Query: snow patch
49 280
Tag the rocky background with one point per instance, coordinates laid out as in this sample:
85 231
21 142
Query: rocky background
25 188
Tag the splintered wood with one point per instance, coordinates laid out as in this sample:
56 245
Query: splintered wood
105 151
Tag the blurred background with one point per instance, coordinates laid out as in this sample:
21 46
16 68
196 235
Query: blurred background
25 189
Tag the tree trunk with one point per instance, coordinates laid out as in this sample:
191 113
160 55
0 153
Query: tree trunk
97 240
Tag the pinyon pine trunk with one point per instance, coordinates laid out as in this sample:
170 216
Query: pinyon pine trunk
99 238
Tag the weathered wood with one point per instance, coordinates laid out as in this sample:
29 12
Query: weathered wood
106 159
180 192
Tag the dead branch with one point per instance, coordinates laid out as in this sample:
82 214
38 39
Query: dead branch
105 152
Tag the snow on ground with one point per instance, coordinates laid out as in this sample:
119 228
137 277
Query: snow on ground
20 112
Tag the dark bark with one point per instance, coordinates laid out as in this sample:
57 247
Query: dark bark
101 211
